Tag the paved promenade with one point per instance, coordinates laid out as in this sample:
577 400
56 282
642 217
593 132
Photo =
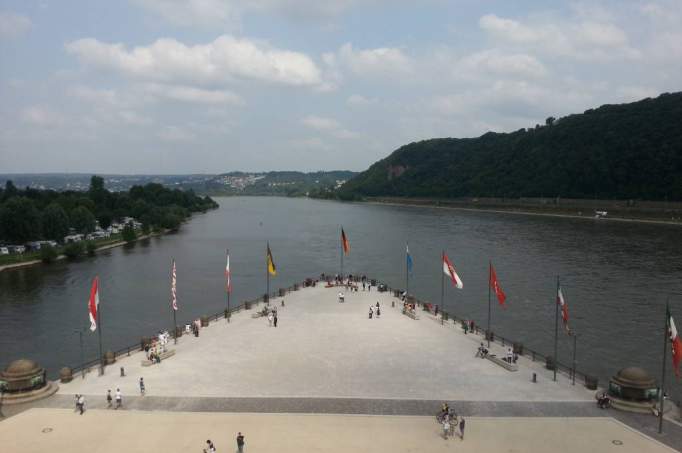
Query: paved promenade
102 431
322 348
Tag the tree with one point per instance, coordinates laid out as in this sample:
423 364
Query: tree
128 234
48 253
91 247
19 220
105 218
82 220
549 121
74 250
55 222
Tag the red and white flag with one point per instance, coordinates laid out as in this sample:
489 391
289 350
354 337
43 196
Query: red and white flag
228 276
450 271
93 304
174 292
494 284
675 344
564 308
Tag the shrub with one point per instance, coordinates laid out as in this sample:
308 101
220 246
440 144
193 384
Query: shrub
48 253
74 250
91 247
128 234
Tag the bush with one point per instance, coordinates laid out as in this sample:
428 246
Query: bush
48 253
74 250
128 234
91 247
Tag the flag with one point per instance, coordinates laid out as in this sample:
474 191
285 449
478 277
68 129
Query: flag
409 258
564 308
495 285
344 243
174 294
271 263
228 276
93 304
449 270
675 343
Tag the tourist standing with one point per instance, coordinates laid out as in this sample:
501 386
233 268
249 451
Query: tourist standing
210 448
446 426
80 403
274 319
142 389
119 398
240 442
270 319
109 398
461 429
378 311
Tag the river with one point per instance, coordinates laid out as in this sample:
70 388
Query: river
615 276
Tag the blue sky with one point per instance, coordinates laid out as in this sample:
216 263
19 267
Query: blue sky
204 86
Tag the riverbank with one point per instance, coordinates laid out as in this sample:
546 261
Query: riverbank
538 207
62 257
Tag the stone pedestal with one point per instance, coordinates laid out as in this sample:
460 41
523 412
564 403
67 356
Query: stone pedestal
24 380
65 375
633 390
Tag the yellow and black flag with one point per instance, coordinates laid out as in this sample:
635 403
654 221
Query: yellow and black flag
344 243
272 270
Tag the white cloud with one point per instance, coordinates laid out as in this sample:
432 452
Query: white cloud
329 126
42 116
222 60
371 62
13 25
496 62
175 134
579 39
192 94
359 100
193 12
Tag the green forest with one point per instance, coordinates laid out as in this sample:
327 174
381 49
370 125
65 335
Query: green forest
32 214
626 151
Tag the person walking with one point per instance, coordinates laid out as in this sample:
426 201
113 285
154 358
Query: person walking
274 319
446 427
461 429
240 442
210 448
142 389
80 403
269 319
109 399
378 312
119 399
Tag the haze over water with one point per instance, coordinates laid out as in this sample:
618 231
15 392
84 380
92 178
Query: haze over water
615 276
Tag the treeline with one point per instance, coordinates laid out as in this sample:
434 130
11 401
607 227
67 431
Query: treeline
628 151
32 214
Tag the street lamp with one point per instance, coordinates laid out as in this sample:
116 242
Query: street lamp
80 338
575 341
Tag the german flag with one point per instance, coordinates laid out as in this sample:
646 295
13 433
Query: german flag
272 269
344 243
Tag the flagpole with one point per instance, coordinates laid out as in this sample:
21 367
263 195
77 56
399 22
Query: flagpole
227 315
490 270
99 330
556 327
175 322
267 276
341 253
442 282
407 271
665 348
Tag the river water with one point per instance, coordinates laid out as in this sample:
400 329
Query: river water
615 276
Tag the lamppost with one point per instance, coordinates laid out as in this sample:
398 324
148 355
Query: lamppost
575 341
80 338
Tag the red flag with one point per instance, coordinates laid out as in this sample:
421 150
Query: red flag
174 288
675 344
449 270
228 276
494 284
564 308
93 304
344 243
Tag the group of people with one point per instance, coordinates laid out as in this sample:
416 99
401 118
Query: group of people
272 317
210 446
603 400
110 399
451 422
374 310
482 351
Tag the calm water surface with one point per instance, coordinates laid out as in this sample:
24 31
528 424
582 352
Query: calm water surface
615 276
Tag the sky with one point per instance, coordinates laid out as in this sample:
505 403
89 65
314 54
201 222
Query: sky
210 86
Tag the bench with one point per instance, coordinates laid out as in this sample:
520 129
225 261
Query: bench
163 355
411 314
503 363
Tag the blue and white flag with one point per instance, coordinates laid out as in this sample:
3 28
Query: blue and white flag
409 258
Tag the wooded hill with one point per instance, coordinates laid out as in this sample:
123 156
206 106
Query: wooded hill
626 151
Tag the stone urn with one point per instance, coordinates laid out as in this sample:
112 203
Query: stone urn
66 374
23 375
282 292
109 358
295 286
204 321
